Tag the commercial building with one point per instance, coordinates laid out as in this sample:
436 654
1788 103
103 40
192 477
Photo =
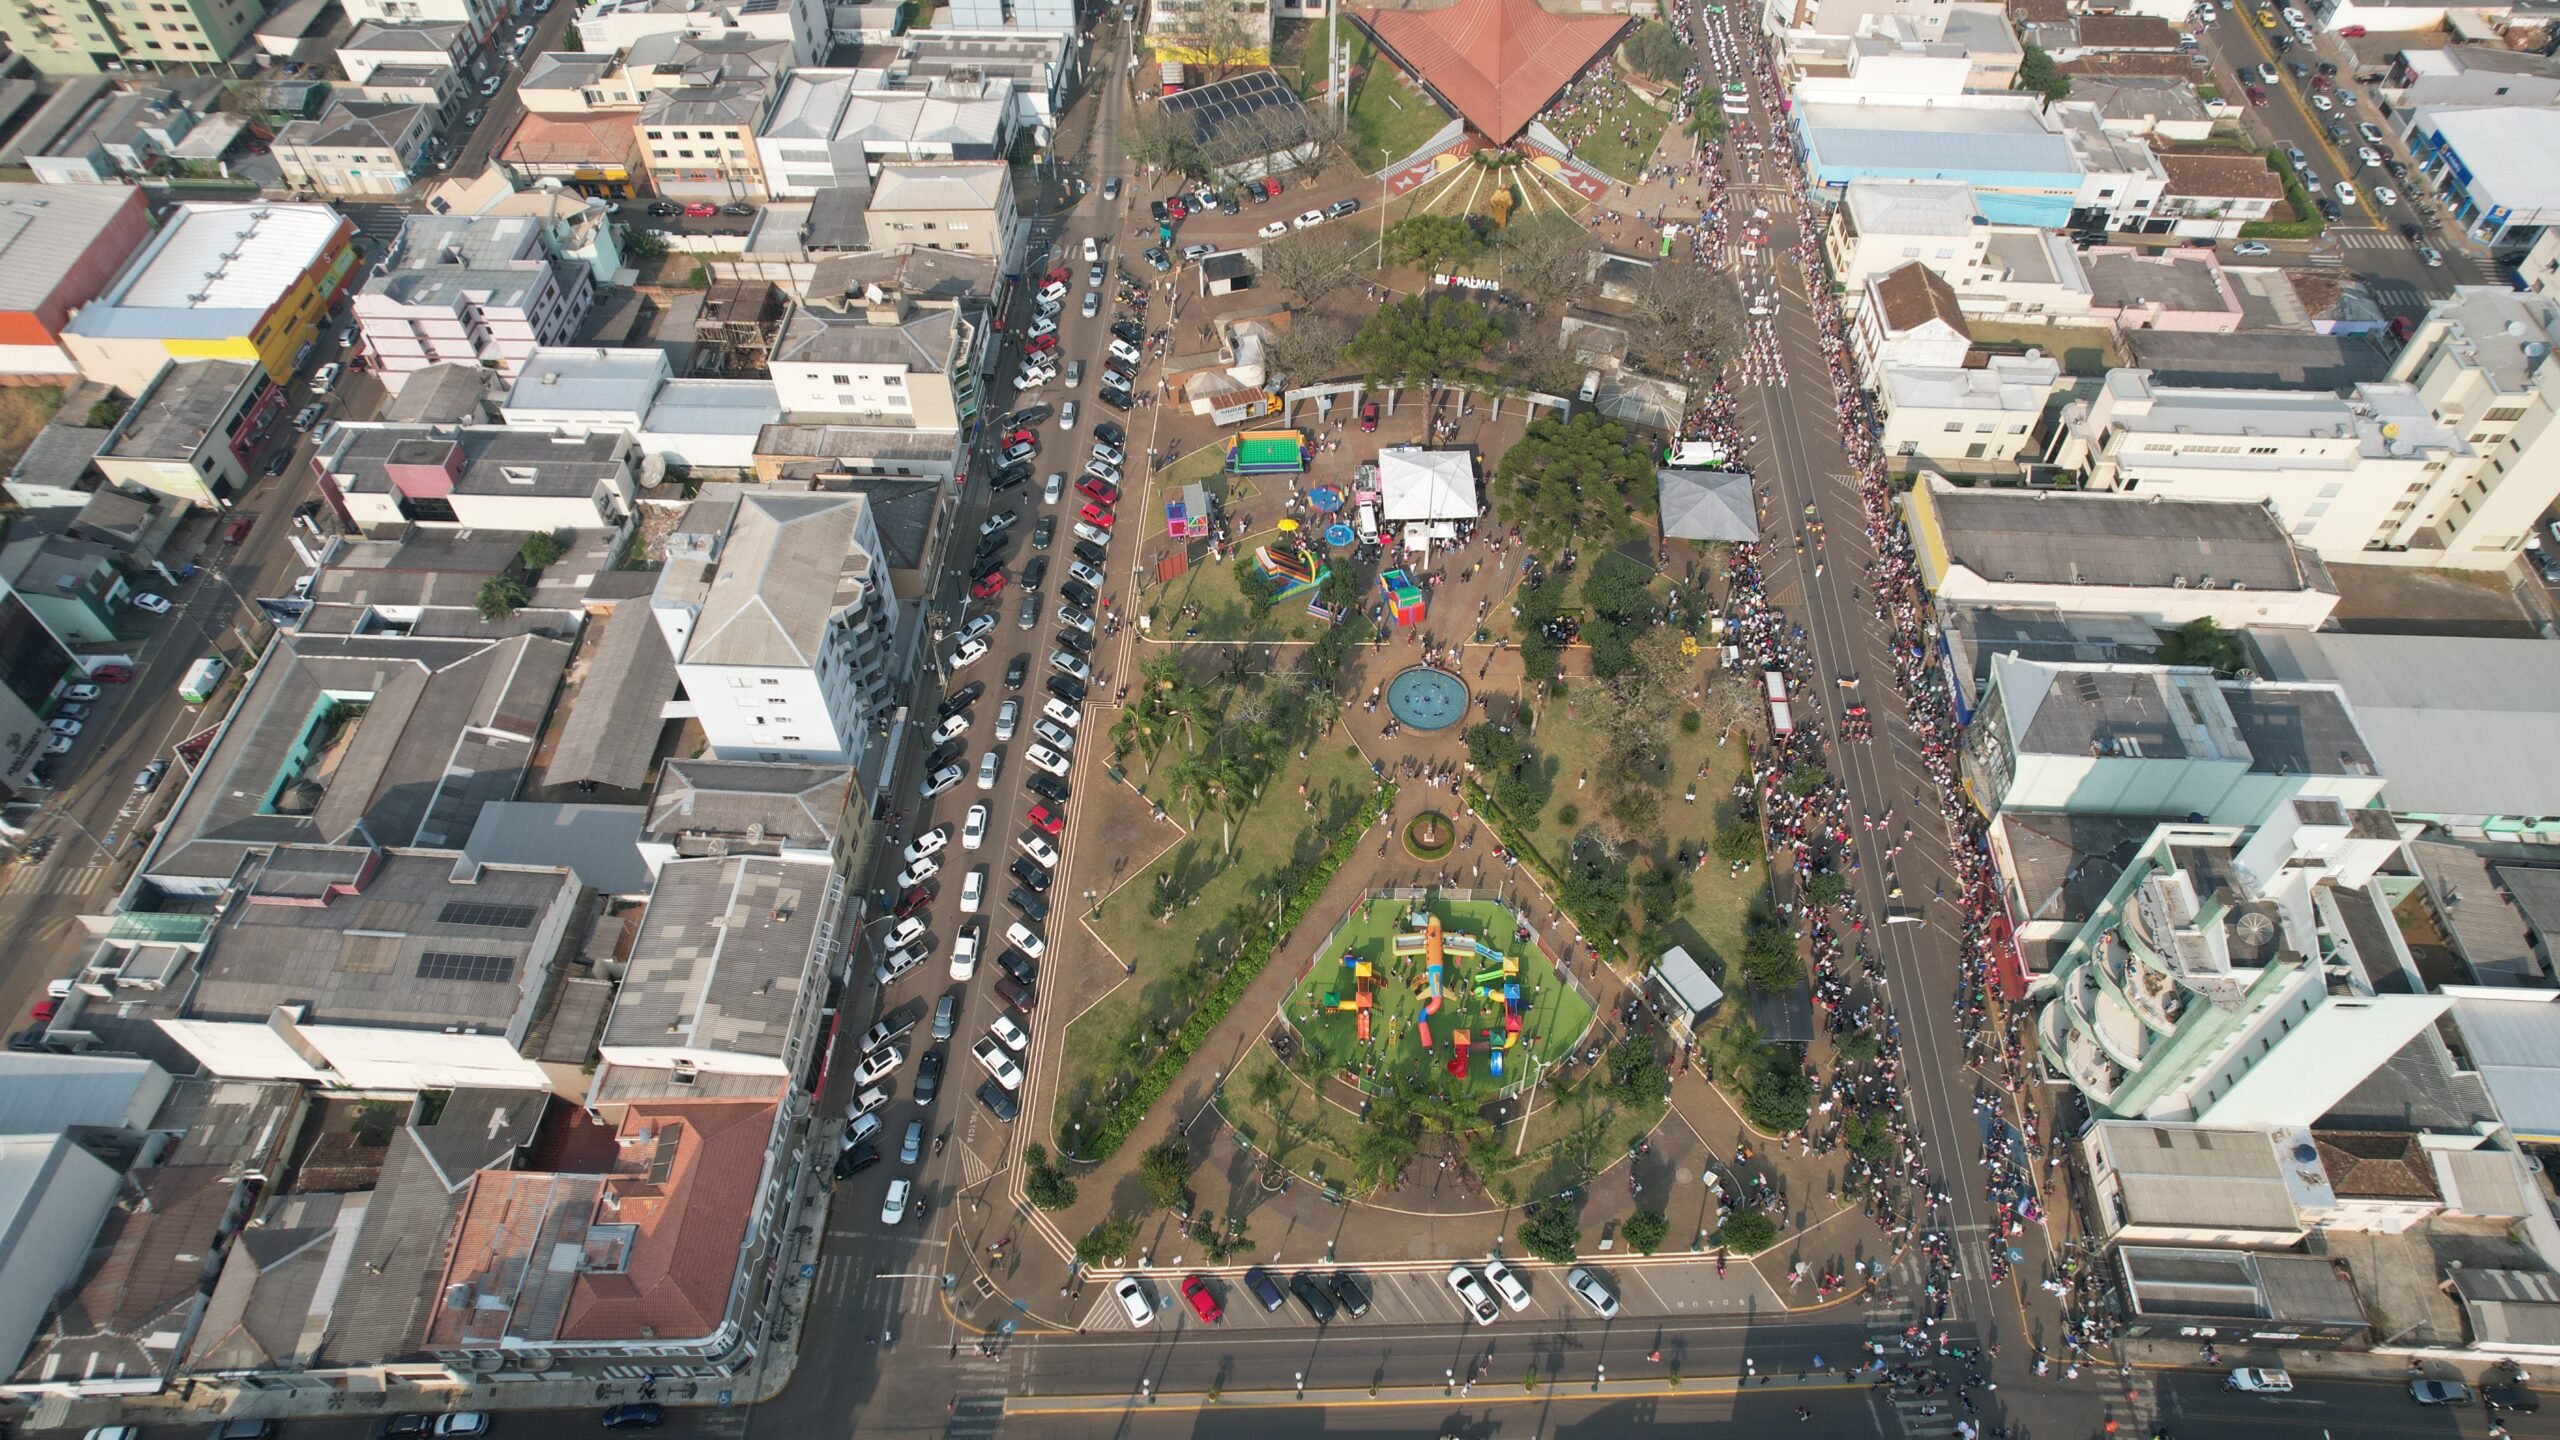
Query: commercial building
59 248
474 289
2015 271
713 808
968 208
90 134
1956 48
1038 62
594 154
2186 1295
699 141
882 359
358 148
2164 1184
573 82
778 610
404 47
2168 561
2343 475
2209 197
2472 75
2181 289
1049 15
249 281
479 19
698 424
2482 164
1910 316
189 433
827 127
386 478
1964 417
619 24
2028 164
2481 364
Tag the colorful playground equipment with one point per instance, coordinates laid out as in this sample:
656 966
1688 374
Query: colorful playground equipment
1501 982
1267 452
1404 598
1186 513
1427 944
1291 566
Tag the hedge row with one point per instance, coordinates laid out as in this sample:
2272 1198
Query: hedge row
1132 1107
2307 223
1513 840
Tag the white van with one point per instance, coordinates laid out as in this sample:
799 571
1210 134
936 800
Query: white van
2260 1382
1590 386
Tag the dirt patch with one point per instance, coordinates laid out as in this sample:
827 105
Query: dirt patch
24 410
2397 600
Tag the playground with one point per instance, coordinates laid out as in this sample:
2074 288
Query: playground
1482 1019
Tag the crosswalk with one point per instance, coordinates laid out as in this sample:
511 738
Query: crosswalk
849 1282
45 878
2368 239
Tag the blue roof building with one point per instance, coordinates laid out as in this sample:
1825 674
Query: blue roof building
2023 168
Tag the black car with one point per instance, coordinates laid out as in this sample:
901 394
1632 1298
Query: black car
644 1415
856 1160
404 1427
1017 670
1116 399
1075 640
1350 1293
1032 906
2410 232
1067 688
1047 787
1035 570
1030 872
1091 554
279 460
947 753
991 546
1130 331
1018 965
1077 592
2510 1397
32 1038
2329 68
1158 209
2329 209
999 1101
1027 415
2392 164
960 699
1007 478
1227 204
929 1076
664 208
1311 1293
1259 192
1107 430
1044 530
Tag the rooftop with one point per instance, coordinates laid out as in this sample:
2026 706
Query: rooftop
2511 1039
705 807
611 735
179 408
1496 62
940 187
2506 333
924 339
2120 278
1911 296
789 563
2332 363
2448 716
2043 537
924 274
2239 1284
355 125
2013 384
45 230
214 270
2497 145
1911 207
2220 177
1942 140
589 380
2188 1175
724 955
568 70
444 260
599 845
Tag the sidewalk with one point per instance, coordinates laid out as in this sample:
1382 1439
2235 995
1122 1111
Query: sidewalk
1654 1383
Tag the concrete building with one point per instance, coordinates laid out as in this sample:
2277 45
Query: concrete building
1962 417
2163 1184
697 424
727 979
474 289
2209 197
1039 64
1041 15
2481 364
714 808
110 135
573 82
59 249
2481 164
883 359
2028 164
778 610
413 46
1971 49
360 148
968 208
2225 980
620 24
2166 561
87 37
479 19
2343 475
2181 289
828 127
699 141
1911 316
248 281
386 478
2017 271
188 434
2472 75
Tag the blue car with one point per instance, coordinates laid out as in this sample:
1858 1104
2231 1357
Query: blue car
645 1415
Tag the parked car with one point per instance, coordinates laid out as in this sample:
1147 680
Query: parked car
1472 1295
999 1062
2449 1393
1582 1282
1508 1284
1203 1303
999 1101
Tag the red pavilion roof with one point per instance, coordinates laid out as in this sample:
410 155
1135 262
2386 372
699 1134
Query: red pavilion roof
1496 62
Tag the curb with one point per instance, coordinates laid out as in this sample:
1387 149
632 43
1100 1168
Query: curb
1549 1390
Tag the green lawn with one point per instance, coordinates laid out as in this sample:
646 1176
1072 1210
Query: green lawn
1179 959
1594 132
1390 116
1553 1015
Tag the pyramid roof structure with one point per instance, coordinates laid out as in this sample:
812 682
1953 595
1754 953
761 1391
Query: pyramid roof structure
1497 63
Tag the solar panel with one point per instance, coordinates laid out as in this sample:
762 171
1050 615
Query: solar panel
487 916
451 965
1221 104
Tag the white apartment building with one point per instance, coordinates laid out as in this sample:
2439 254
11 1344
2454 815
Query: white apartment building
828 127
885 359
1014 15
778 609
480 17
2481 365
617 24
473 289
2336 471
1963 417
2015 271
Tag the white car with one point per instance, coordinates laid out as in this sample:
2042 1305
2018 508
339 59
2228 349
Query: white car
1124 352
1056 488
866 1102
2385 195
1309 220
930 842
1045 325
1007 716
1104 470
2345 191
64 726
1038 847
1086 573
988 765
1093 534
1067 416
1004 1029
999 1062
1032 377
1274 230
1044 758
997 524
1027 940
1472 1294
461 1425
951 729
880 1064
943 779
1508 1284
1091 305
894 1208
1060 738
1062 712
969 653
2321 102
152 603
901 935
1131 1292
2370 156
918 872
973 889
964 950
2252 248
973 828
1077 616
1594 1294
524 36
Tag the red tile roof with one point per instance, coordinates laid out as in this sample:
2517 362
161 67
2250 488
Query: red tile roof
1496 62
691 1223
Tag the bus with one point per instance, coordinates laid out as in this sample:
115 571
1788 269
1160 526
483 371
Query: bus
1782 718
203 678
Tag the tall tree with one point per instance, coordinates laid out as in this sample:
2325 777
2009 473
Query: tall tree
1578 478
1426 338
1688 323
1547 258
1309 347
1658 53
1166 141
1430 242
1307 265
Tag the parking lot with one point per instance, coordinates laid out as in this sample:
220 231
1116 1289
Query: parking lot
1423 1297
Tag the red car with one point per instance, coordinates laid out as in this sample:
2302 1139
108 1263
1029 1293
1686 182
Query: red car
1099 490
1022 434
112 674
1369 416
237 530
1271 185
700 208
1060 274
1046 820
913 901
1098 516
45 1010
2351 32
991 583
1203 1304
1178 207
1041 345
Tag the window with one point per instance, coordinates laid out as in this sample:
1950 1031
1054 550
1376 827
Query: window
1955 427
2504 414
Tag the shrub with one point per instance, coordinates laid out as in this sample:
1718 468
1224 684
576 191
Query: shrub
1780 1097
500 596
1569 815
1646 1230
1106 1242
1043 1183
1166 1171
1636 1076
1551 1232
541 551
1746 1232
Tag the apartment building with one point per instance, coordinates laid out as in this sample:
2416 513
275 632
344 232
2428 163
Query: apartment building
478 289
699 141
881 357
360 148
479 19
1961 416
778 610
828 127
968 208
618 24
89 37
2481 365
2015 271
